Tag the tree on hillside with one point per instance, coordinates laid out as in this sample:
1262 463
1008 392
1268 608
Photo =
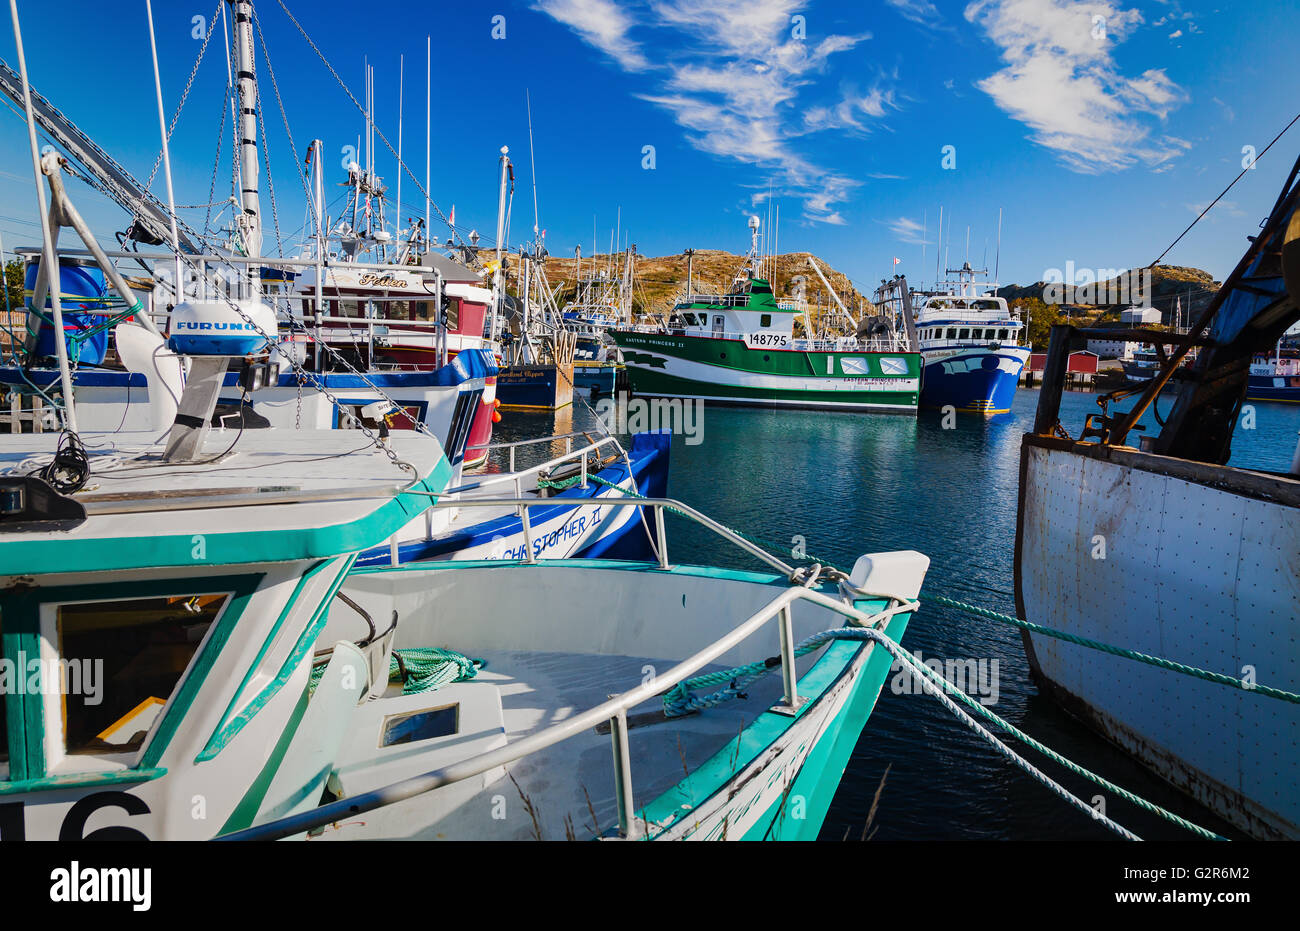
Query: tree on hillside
1039 318
13 285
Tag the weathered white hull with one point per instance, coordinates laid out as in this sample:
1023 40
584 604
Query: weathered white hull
1193 563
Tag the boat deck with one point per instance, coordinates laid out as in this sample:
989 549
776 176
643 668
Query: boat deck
541 689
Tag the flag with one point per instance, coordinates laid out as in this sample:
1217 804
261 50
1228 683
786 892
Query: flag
451 217
897 260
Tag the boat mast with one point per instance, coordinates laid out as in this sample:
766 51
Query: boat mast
501 233
167 161
401 90
49 257
428 138
250 222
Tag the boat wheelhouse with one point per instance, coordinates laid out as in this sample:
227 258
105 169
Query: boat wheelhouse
389 318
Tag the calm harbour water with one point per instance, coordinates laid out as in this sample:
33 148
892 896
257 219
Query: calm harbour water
854 483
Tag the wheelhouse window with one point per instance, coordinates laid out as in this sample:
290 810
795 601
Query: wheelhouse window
952 333
965 333
453 314
345 308
419 310
399 310
118 662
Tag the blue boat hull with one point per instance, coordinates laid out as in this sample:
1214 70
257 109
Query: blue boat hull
535 387
980 381
595 378
1266 388
554 528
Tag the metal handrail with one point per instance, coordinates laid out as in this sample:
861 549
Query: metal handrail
935 342
540 439
614 711
683 510
513 476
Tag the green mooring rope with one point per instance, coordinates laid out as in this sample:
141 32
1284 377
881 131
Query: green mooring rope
1160 662
679 700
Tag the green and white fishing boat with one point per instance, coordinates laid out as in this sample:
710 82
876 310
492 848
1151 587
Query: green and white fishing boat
739 348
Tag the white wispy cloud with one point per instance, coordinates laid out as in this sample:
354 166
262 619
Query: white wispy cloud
1229 207
847 113
908 231
1061 80
603 24
922 12
734 75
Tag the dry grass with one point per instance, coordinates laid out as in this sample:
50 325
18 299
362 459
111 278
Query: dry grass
659 279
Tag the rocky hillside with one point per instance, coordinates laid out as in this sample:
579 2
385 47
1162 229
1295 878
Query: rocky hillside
660 279
1171 285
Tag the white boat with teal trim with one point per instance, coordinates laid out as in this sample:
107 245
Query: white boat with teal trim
245 663
739 348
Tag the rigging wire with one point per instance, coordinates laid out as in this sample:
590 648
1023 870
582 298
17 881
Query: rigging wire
186 92
325 61
1225 191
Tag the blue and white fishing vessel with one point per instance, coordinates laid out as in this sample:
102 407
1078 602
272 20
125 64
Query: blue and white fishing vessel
972 346
1275 376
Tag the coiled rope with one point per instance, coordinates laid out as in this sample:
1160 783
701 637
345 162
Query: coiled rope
420 669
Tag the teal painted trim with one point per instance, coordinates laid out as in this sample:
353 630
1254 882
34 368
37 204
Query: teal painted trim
713 776
305 642
116 777
246 810
819 778
215 744
24 611
607 565
16 749
15 642
39 557
179 706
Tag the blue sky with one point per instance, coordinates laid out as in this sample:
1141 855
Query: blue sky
1099 128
